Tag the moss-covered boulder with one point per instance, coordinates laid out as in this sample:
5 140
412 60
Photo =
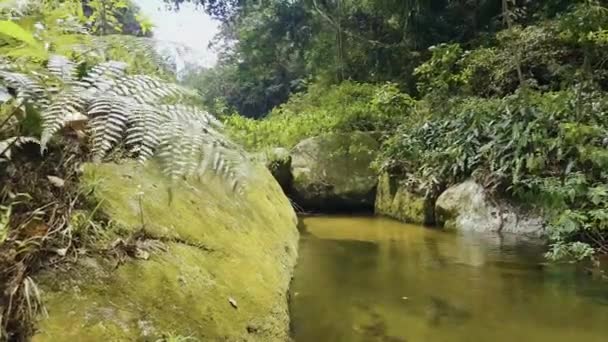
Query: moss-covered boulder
333 172
213 265
468 207
398 201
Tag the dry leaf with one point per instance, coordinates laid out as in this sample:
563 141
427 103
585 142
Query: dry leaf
233 303
56 181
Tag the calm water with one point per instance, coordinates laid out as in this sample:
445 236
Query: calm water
372 279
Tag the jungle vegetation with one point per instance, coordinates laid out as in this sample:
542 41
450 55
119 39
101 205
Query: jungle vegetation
511 92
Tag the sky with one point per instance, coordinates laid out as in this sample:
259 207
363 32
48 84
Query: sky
187 32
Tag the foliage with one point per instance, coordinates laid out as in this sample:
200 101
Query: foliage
271 49
546 149
512 92
127 109
344 108
141 114
73 98
103 17
12 30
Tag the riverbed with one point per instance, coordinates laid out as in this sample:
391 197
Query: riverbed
375 279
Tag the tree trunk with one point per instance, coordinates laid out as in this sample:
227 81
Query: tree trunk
508 23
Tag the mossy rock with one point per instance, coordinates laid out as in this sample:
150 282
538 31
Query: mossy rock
333 171
220 249
398 201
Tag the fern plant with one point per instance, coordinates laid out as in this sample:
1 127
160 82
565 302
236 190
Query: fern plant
136 113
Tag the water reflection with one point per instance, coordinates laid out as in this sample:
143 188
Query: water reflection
372 279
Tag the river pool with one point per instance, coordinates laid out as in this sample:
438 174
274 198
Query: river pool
374 279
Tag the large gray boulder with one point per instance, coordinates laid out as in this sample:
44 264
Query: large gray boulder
333 172
468 207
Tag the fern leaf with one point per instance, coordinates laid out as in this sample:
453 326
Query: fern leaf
140 47
63 68
146 89
8 144
186 113
170 149
67 107
108 124
26 87
143 131
103 76
125 110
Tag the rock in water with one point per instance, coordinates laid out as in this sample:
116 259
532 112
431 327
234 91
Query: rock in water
333 172
467 207
398 201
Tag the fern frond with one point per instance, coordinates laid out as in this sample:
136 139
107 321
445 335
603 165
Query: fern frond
187 113
103 76
67 107
26 87
185 150
127 111
141 48
143 131
14 142
147 89
63 68
173 149
227 164
108 124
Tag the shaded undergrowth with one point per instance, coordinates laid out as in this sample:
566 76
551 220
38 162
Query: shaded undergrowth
39 195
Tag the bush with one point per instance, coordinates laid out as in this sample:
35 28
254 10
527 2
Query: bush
548 149
341 108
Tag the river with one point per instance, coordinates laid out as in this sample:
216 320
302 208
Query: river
374 279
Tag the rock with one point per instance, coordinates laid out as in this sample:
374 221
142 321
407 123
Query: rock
333 172
398 201
216 244
278 162
467 207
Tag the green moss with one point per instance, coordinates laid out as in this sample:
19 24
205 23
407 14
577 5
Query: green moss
220 246
397 201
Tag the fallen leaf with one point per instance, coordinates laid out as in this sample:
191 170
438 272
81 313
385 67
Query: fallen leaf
233 303
56 181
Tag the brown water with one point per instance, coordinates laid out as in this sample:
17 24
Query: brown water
373 279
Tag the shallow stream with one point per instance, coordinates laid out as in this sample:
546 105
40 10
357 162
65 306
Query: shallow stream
374 279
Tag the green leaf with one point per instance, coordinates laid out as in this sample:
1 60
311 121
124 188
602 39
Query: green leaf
11 29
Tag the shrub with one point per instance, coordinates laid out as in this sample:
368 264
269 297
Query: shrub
341 108
548 149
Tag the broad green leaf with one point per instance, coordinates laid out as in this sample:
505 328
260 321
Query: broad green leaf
11 29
